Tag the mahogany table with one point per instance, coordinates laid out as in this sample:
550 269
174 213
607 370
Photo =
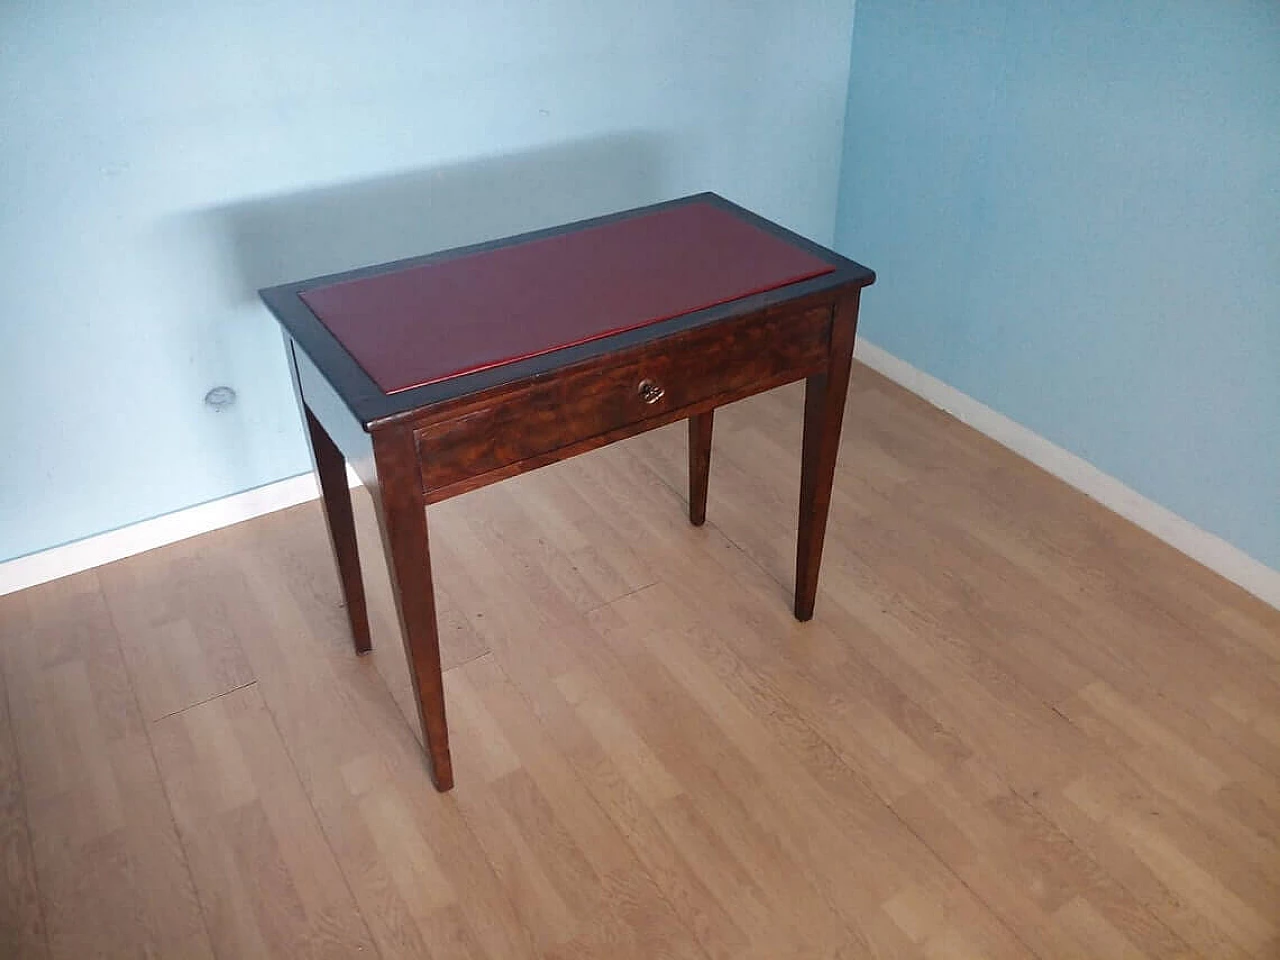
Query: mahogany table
440 374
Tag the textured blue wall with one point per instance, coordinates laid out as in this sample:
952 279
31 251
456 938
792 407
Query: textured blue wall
1074 212
161 159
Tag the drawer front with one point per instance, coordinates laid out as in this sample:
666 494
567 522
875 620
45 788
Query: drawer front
534 418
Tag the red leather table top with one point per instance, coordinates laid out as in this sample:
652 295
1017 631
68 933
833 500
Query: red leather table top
439 320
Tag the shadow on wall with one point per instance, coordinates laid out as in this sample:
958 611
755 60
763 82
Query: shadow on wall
308 233
231 251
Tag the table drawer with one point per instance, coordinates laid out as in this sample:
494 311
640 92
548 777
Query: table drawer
528 419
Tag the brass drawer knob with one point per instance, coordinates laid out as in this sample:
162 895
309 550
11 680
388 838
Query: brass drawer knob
650 392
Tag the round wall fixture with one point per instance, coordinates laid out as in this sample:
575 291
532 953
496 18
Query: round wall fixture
219 398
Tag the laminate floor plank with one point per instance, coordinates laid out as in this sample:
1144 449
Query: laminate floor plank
1018 726
419 875
112 876
614 708
267 880
169 607
22 930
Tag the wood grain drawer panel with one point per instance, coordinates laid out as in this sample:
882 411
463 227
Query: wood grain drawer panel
534 417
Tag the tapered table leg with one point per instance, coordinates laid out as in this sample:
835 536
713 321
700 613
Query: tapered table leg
331 471
699 465
824 396
402 519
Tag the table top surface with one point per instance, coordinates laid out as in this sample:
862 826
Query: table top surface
399 336
455 316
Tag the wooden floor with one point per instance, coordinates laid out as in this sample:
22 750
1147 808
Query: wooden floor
1017 727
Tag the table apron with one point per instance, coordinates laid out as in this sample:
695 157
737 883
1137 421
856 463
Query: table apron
465 484
536 422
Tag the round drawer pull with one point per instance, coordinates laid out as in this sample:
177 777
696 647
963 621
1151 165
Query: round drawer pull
650 392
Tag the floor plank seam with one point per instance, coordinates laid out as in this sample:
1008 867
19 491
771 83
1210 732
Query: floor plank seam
200 703
622 596
712 524
26 819
470 660
1032 800
155 763
995 914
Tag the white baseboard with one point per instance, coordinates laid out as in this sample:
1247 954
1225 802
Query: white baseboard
35 568
1204 547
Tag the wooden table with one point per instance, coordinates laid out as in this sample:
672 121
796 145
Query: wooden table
440 374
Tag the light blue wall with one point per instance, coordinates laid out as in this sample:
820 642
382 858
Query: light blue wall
160 159
1074 213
